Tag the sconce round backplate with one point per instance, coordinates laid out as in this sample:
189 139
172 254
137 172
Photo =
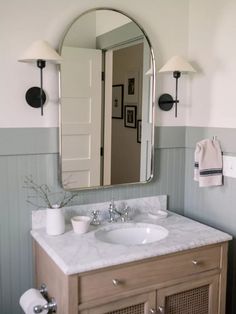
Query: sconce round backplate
166 102
32 97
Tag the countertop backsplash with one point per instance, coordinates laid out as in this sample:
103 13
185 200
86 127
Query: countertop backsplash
136 206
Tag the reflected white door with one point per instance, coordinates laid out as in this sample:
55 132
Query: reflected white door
108 117
81 117
147 129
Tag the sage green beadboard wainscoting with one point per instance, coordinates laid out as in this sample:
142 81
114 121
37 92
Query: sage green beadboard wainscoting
214 206
34 151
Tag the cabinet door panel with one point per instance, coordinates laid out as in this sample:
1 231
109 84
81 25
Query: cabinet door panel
140 304
199 296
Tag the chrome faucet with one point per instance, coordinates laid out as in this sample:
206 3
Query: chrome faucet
114 212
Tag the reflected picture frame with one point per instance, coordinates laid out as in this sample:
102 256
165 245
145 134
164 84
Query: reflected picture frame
130 116
132 87
117 101
139 131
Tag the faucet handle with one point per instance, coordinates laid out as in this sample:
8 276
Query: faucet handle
111 206
123 214
126 211
95 220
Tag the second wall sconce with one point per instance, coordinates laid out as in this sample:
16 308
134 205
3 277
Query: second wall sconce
176 65
40 51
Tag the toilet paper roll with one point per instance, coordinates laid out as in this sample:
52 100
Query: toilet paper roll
31 298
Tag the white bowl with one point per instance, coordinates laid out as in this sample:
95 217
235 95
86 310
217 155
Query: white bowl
80 224
158 214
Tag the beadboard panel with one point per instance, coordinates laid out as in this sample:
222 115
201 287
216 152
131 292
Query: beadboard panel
214 206
24 141
16 270
170 136
226 137
16 264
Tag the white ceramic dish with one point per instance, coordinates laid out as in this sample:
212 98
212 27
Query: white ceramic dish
158 214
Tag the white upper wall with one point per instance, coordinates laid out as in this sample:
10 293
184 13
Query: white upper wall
25 21
202 30
212 48
171 38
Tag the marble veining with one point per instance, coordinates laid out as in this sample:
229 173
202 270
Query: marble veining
75 253
137 206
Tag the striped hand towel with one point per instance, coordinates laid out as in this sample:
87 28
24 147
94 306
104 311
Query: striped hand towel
208 163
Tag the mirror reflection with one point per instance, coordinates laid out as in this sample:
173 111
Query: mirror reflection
106 123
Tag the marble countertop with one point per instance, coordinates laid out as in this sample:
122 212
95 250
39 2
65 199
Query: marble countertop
75 253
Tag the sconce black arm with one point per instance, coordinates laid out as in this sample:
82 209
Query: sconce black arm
166 101
41 64
36 96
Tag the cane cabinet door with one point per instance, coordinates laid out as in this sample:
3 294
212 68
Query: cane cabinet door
198 296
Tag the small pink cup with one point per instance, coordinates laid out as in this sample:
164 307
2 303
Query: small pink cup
80 224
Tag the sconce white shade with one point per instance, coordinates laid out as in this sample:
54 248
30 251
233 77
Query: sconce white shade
177 63
40 50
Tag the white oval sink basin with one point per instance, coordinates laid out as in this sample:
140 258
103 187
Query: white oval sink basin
131 233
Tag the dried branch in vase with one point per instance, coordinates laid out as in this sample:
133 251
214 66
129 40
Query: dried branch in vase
44 193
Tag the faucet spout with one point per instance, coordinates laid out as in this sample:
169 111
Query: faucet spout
118 214
112 212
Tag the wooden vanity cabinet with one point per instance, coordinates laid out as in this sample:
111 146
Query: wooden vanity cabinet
187 282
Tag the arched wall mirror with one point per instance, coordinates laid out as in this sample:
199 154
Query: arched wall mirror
107 92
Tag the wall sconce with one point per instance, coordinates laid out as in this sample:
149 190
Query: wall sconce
40 51
177 65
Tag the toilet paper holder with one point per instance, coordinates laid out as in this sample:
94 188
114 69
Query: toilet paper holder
43 290
51 306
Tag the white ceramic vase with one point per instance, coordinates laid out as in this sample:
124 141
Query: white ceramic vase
55 222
